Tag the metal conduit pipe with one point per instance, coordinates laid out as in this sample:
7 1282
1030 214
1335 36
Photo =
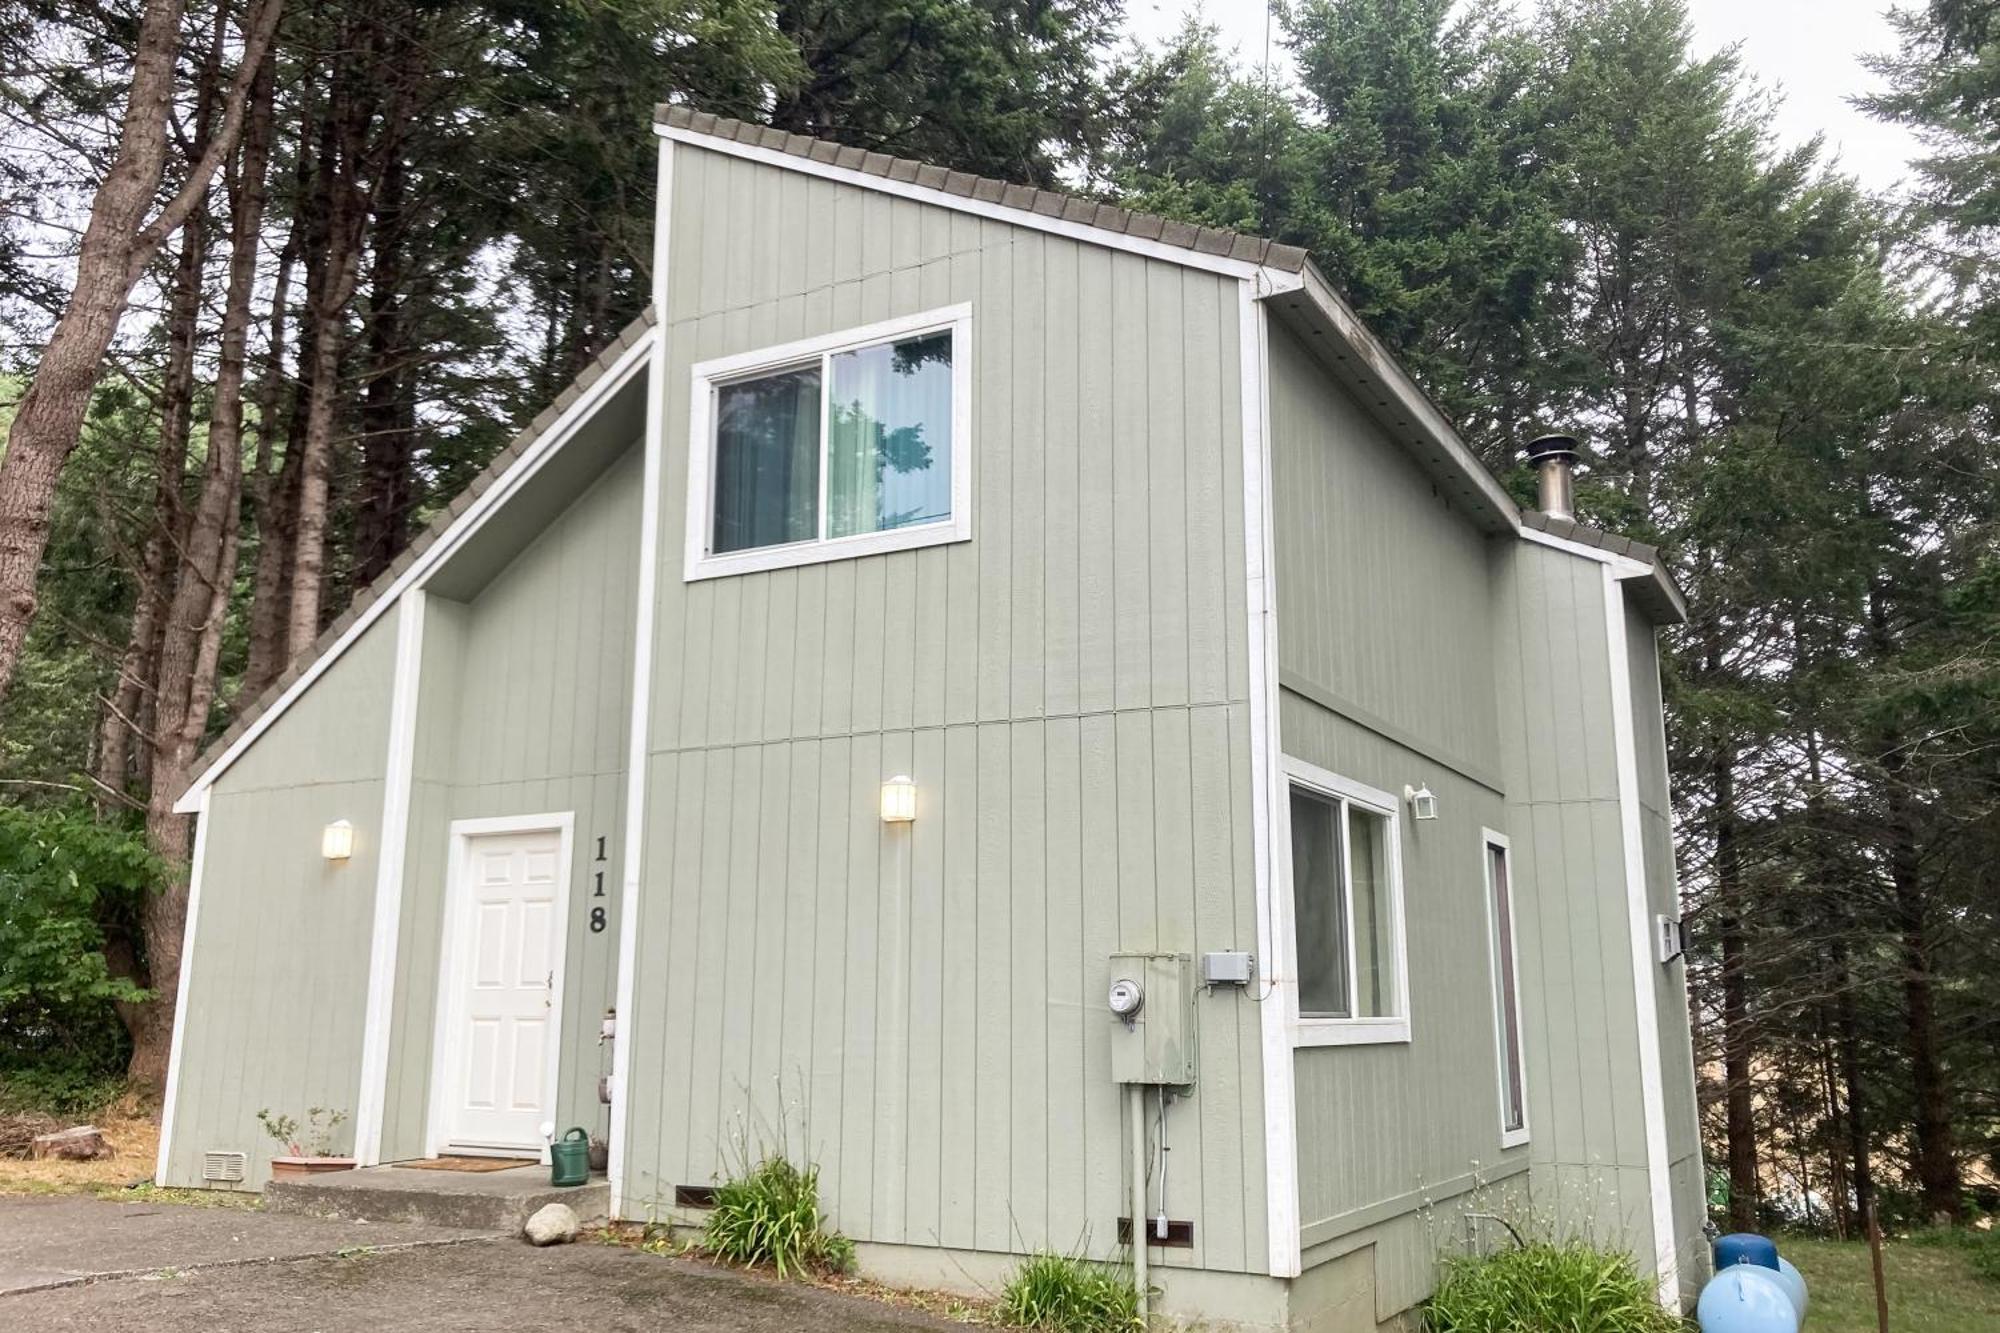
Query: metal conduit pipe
1136 1098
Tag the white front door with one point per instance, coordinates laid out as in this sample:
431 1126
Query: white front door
501 1054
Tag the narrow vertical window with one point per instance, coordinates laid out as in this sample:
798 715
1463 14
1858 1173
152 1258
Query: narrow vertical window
1506 991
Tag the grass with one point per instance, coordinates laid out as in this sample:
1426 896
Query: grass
134 1139
1933 1287
1066 1294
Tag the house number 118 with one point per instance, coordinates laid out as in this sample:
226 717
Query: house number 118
597 889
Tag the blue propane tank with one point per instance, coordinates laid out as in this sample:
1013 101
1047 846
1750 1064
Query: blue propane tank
1746 1298
1794 1283
1744 1247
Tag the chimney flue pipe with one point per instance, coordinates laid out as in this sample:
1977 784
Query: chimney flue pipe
1554 457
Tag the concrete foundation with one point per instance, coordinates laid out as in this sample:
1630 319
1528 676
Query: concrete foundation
476 1201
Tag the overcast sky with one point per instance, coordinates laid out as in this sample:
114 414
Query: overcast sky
1810 49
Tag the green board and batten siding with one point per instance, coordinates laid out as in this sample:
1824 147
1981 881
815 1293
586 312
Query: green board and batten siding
280 959
524 701
922 1007
1385 640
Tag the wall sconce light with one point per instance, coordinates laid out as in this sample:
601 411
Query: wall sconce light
336 840
899 800
1423 804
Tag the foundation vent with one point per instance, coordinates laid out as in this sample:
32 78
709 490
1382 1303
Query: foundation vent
222 1168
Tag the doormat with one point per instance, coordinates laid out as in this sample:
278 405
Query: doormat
468 1163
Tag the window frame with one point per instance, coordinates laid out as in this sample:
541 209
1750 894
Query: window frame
1317 1030
706 378
1490 841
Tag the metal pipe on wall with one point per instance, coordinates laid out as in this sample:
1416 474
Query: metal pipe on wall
1135 1094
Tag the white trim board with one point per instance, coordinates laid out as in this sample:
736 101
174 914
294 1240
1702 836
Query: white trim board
1281 1150
1275 279
370 1101
642 695
170 1106
1652 1091
707 377
445 1022
475 516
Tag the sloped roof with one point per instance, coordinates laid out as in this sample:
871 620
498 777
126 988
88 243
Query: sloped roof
1661 595
1215 241
247 716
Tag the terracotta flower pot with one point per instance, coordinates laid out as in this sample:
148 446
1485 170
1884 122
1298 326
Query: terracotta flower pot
293 1168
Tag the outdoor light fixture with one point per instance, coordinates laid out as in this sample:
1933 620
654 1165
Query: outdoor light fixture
336 840
899 800
1423 805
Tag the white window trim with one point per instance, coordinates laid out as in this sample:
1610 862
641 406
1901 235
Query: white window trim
1488 840
707 375
1315 1031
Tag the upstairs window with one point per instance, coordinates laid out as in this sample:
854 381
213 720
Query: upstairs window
1347 911
834 447
1506 989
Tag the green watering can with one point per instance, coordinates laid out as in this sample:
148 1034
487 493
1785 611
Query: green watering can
569 1158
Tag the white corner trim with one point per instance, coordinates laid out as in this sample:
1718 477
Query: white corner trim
392 840
1624 566
475 516
642 697
706 376
1645 1002
1281 1147
449 997
1272 279
170 1106
1488 839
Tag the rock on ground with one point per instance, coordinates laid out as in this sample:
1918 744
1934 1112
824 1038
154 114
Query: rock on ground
552 1224
85 1143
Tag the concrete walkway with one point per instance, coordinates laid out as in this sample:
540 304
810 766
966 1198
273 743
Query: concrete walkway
88 1264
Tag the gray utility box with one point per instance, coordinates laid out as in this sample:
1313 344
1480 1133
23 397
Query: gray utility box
1154 1043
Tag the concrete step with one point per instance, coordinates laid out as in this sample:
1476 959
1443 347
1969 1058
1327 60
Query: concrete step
475 1201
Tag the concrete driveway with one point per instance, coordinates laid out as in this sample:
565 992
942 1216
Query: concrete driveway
92 1264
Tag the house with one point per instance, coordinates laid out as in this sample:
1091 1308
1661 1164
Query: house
973 675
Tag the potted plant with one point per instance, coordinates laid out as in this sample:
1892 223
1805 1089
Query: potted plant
308 1147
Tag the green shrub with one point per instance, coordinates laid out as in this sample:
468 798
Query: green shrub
68 883
1546 1287
1980 1248
771 1216
1067 1294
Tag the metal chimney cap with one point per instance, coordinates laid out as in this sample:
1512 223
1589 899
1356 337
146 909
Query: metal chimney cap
1554 449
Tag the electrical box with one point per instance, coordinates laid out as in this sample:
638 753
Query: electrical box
1233 968
1151 998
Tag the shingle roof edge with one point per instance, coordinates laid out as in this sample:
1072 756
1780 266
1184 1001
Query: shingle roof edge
247 715
1212 241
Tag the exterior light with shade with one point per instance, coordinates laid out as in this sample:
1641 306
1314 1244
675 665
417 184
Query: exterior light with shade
1423 805
336 840
899 800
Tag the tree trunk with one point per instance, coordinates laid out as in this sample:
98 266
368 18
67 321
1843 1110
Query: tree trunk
117 245
1934 1155
388 423
1740 1092
191 633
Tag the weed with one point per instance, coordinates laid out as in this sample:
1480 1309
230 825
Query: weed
771 1216
1070 1294
1545 1285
